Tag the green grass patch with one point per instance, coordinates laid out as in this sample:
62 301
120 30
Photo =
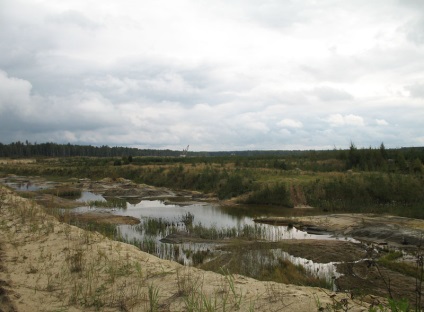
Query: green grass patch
390 262
64 192
110 203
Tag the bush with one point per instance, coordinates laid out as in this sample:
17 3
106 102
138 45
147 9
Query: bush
277 194
233 186
378 192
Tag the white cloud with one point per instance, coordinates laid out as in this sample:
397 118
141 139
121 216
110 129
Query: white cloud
337 120
285 132
14 93
420 140
250 122
326 93
290 123
381 122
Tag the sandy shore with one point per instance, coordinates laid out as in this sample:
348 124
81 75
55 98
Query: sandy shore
51 266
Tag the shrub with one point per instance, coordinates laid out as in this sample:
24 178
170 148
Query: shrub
277 194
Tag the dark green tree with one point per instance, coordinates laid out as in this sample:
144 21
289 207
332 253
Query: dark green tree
417 166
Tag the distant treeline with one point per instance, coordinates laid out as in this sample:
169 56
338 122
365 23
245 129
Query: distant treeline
382 159
409 159
27 149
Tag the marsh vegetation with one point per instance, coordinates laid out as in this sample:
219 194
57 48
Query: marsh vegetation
355 180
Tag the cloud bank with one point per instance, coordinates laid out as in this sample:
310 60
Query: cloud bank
219 76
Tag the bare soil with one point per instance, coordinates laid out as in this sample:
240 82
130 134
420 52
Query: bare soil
368 277
380 234
6 304
372 228
105 218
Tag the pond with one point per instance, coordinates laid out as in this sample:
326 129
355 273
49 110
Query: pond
26 186
160 220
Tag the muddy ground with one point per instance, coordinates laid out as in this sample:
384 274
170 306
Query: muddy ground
380 235
396 231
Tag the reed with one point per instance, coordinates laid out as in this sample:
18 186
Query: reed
110 203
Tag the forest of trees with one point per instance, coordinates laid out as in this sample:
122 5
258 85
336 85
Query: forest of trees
406 160
27 149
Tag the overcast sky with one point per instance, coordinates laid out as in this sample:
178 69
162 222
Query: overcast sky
218 75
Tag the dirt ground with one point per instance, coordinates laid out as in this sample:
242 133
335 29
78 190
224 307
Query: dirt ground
6 304
372 228
50 266
105 218
379 235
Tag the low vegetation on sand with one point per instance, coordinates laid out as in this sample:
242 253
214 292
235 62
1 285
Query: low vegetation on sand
52 266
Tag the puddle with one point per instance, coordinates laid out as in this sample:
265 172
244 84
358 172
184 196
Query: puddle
160 219
325 271
23 184
89 196
254 261
205 215
26 186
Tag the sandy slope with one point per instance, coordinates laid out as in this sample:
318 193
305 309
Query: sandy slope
51 266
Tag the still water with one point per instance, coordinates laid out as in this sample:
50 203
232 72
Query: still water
208 216
26 186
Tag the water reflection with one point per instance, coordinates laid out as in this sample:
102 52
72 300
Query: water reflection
207 216
325 271
25 186
210 222
90 196
254 262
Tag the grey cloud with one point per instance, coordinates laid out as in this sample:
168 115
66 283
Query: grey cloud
415 4
166 80
330 69
289 14
414 27
271 13
397 60
72 17
161 86
416 90
415 31
31 114
331 94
